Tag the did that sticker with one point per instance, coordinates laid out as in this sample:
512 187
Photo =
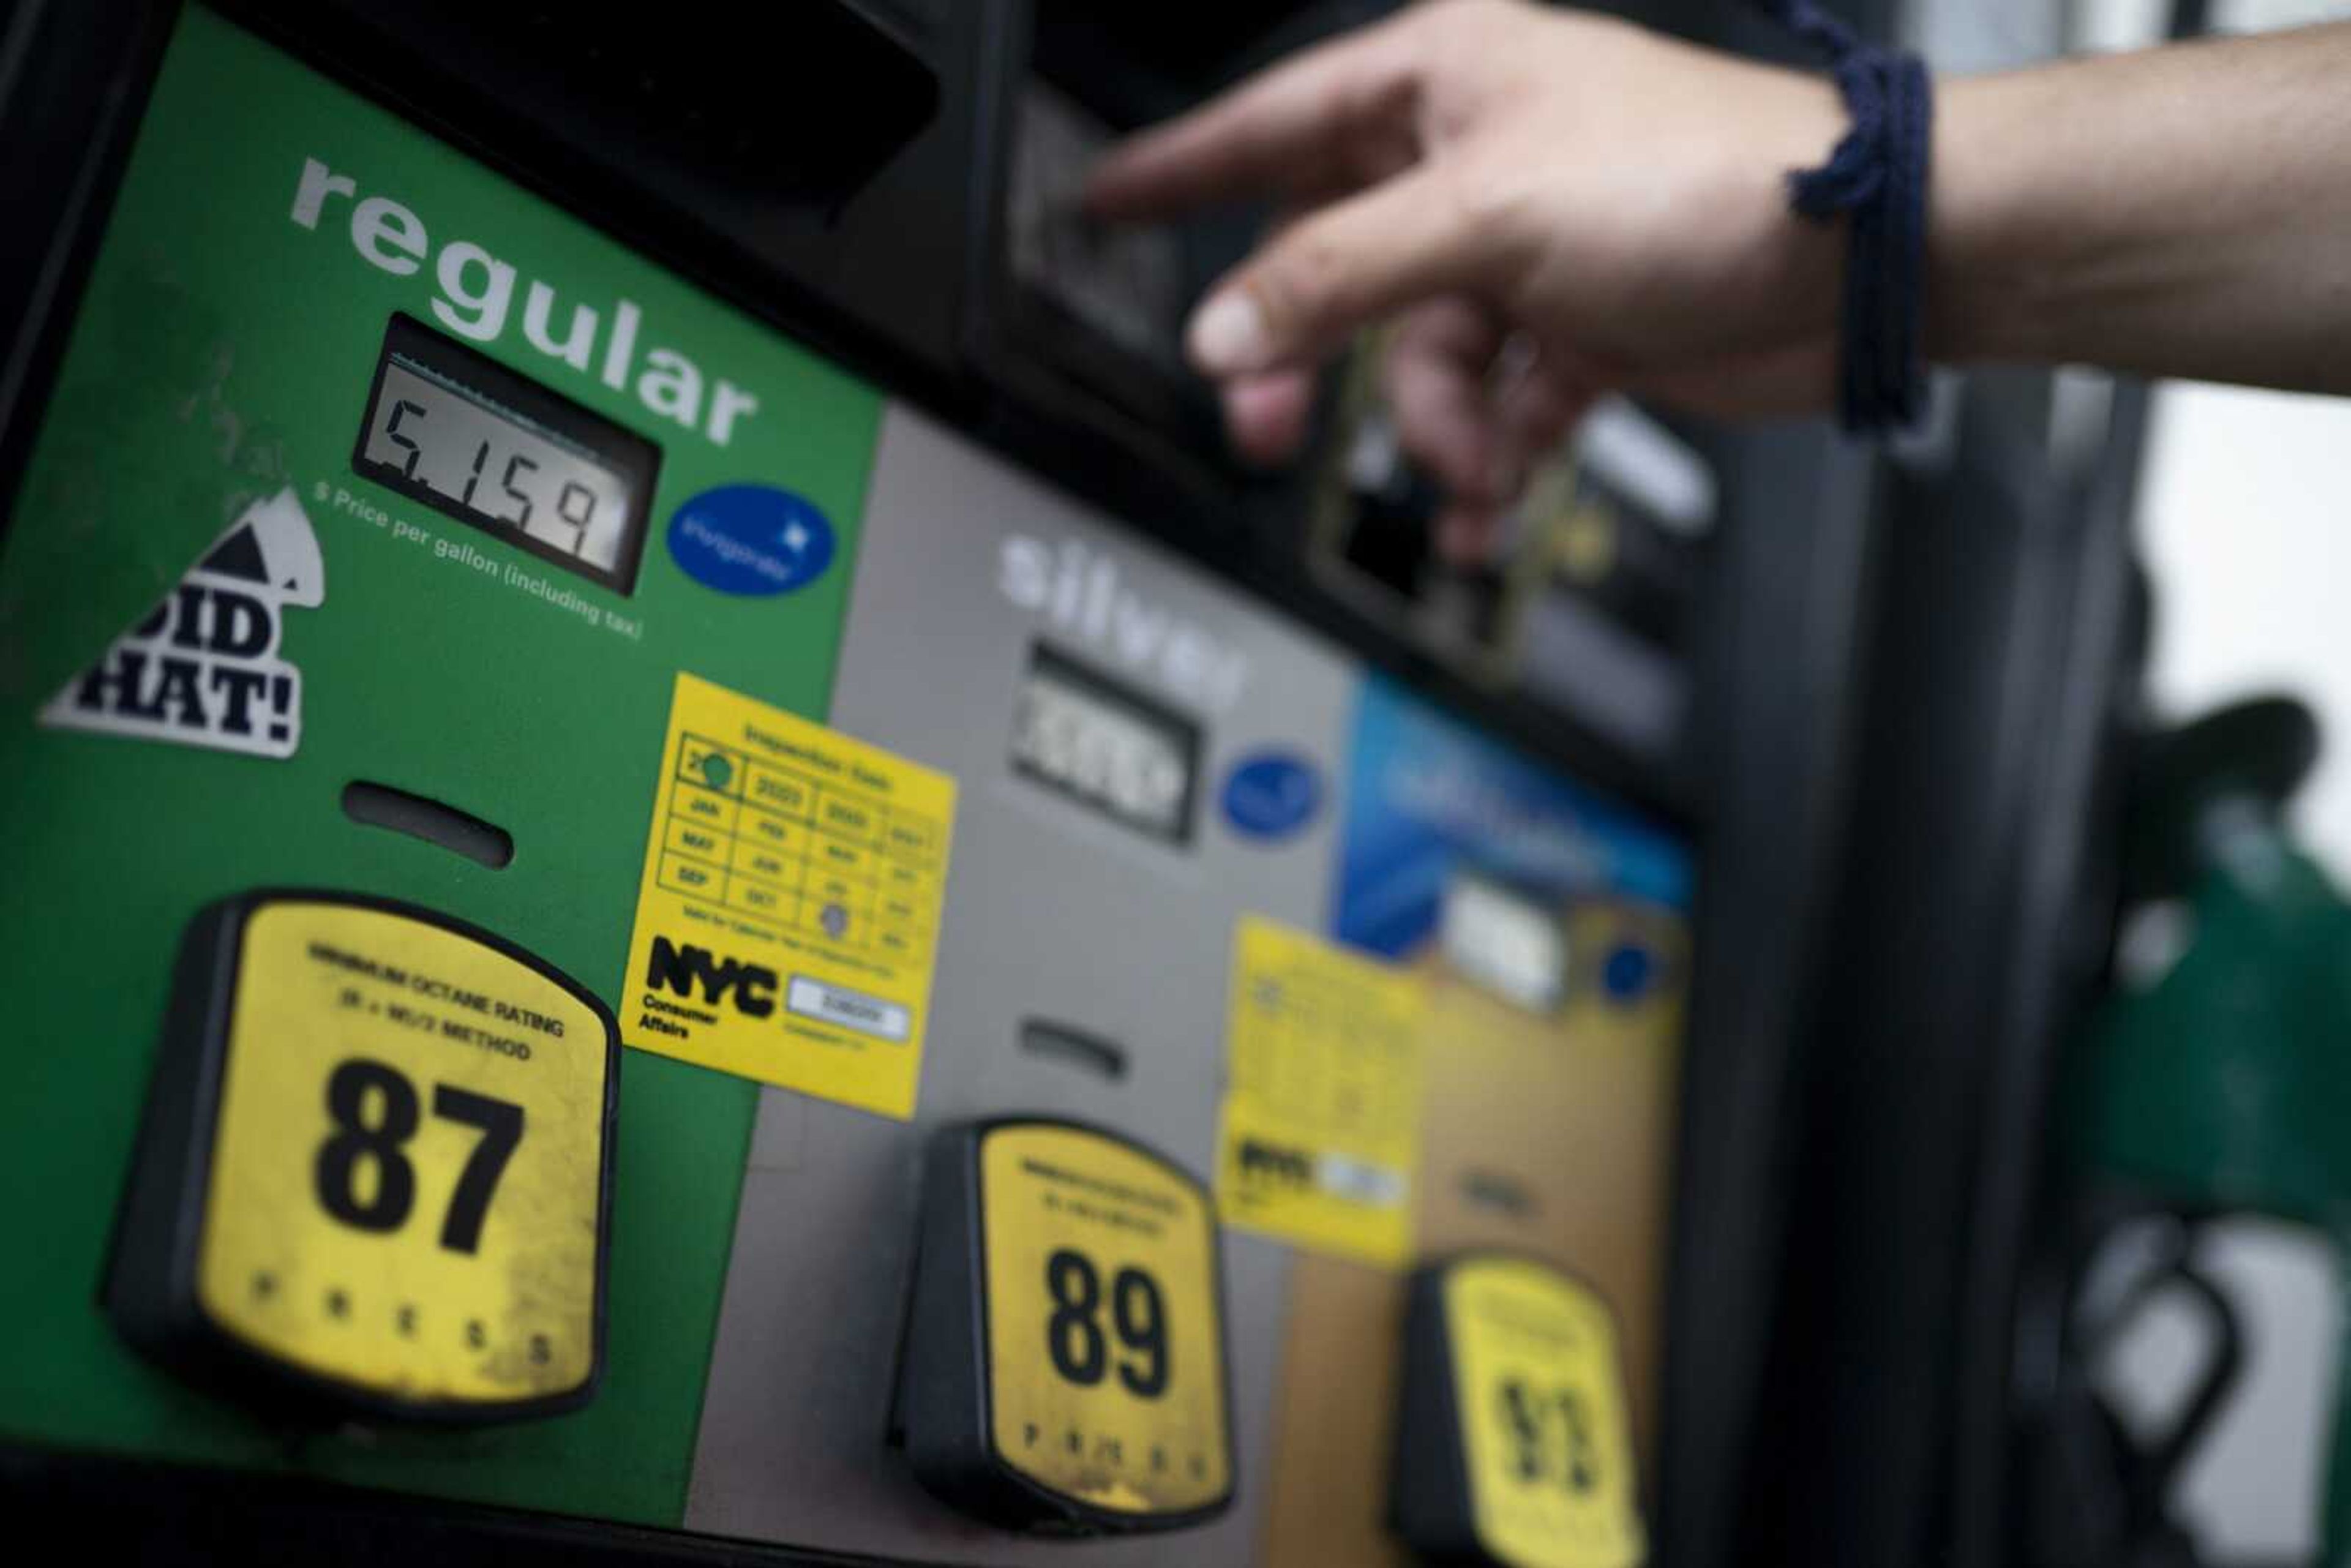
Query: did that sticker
203 668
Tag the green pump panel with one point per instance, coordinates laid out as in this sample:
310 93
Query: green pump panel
238 611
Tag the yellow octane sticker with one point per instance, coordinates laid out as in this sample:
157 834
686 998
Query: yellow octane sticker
1320 1139
1105 1333
407 1161
1536 1368
789 906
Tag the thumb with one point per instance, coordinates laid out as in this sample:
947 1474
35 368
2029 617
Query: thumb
1309 287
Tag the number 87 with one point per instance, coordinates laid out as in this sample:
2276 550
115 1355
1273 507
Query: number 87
377 1140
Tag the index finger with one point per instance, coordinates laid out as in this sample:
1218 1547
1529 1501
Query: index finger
1309 124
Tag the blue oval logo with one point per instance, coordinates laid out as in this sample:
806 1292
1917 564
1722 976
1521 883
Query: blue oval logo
752 539
1628 973
1272 794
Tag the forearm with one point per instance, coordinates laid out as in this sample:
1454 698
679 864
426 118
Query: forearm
2182 212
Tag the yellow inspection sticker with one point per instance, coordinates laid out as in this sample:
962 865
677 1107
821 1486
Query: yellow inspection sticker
789 906
1105 1327
1321 1133
407 1169
1542 1395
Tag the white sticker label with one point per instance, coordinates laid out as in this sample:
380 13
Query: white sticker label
866 1015
201 668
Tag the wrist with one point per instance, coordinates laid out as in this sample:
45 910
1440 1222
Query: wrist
1876 180
1809 254
1786 270
1985 289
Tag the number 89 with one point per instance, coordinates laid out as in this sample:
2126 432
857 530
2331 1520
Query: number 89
1074 1338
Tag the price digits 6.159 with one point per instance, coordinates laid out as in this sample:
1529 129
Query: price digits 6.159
1074 1332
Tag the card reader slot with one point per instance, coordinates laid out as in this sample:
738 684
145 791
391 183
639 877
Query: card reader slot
1046 1038
376 805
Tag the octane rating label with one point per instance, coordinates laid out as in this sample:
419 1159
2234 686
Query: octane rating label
1320 1140
1106 1331
407 1168
1542 1391
788 912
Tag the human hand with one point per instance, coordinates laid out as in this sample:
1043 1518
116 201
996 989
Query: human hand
1551 204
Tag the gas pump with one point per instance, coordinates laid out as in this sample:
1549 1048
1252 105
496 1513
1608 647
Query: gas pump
690 869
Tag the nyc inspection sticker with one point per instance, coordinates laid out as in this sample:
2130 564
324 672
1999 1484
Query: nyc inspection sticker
788 911
1320 1139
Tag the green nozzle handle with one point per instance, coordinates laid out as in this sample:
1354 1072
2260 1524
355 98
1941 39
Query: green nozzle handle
2224 1084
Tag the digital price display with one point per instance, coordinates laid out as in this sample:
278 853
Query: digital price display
1513 1446
476 442
1084 735
1065 1367
374 1176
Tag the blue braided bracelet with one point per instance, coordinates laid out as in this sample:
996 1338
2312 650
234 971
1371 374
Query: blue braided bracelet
1877 174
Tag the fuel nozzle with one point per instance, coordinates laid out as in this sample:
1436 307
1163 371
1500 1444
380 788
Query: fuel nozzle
2221 1084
